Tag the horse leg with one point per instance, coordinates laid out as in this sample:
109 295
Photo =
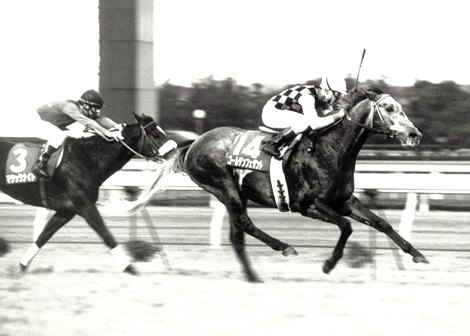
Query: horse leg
358 211
90 213
323 212
236 206
58 220
240 223
237 239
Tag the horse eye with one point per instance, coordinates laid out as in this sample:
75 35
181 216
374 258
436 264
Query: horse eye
389 108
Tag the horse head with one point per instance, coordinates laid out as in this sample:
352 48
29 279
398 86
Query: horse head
379 112
152 141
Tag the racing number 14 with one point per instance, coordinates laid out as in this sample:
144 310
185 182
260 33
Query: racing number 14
252 149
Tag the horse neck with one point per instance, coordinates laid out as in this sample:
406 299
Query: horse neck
345 140
105 157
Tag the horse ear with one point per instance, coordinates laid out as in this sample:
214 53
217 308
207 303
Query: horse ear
370 95
140 116
137 117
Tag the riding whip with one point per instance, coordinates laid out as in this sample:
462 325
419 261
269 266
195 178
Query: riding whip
360 65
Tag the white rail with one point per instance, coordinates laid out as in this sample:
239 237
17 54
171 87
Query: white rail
411 177
440 177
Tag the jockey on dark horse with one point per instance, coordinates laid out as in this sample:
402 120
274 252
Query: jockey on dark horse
302 106
62 114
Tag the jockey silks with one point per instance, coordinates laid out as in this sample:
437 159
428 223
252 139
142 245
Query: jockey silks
289 98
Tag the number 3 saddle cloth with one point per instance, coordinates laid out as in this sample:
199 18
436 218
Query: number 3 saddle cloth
21 160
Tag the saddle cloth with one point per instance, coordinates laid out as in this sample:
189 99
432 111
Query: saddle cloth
21 160
246 152
246 155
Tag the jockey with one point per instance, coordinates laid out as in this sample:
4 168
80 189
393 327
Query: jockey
300 107
62 114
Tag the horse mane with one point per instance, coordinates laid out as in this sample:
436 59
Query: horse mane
375 89
346 102
356 96
92 140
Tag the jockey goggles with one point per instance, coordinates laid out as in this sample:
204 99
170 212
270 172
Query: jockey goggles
86 105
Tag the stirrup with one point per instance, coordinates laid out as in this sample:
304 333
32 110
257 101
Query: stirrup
273 152
40 171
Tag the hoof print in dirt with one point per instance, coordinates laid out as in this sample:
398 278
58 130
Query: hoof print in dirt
140 250
357 256
4 247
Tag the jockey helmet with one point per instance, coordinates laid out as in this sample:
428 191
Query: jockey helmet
333 83
92 98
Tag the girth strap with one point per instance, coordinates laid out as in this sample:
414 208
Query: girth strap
43 194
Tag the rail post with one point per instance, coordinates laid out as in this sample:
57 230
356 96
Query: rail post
217 220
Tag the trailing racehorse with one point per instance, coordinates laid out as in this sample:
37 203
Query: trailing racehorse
74 186
319 173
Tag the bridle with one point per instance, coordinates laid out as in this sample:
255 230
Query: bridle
376 108
144 138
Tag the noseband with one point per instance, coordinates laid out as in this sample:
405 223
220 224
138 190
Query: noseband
376 108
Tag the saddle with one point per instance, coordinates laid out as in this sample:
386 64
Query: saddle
21 160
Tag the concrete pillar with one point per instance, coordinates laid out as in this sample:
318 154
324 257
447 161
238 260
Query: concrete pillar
126 58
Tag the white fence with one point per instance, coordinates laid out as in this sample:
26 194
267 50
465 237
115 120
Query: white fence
415 178
392 176
439 177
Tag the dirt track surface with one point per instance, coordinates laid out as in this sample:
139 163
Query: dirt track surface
72 287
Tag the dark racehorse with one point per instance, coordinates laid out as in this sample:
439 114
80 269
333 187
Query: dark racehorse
74 186
319 174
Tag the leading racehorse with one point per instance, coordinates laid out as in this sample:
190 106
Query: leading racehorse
73 189
319 174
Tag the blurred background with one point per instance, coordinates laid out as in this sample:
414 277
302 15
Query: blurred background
196 65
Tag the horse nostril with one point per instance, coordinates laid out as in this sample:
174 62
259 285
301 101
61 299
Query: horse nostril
415 135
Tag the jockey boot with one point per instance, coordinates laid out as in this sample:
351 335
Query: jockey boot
273 145
40 169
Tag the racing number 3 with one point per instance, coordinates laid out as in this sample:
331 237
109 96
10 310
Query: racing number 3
252 149
20 154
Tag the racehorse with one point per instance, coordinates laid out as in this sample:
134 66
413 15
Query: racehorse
74 186
319 172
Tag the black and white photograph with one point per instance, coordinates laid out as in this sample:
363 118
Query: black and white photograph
236 168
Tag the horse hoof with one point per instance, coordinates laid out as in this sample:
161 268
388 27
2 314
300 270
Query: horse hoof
254 279
327 266
420 259
290 251
23 268
130 269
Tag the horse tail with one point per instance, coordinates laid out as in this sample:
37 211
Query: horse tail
173 165
178 159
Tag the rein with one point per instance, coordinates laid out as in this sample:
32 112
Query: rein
156 156
376 108
144 137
